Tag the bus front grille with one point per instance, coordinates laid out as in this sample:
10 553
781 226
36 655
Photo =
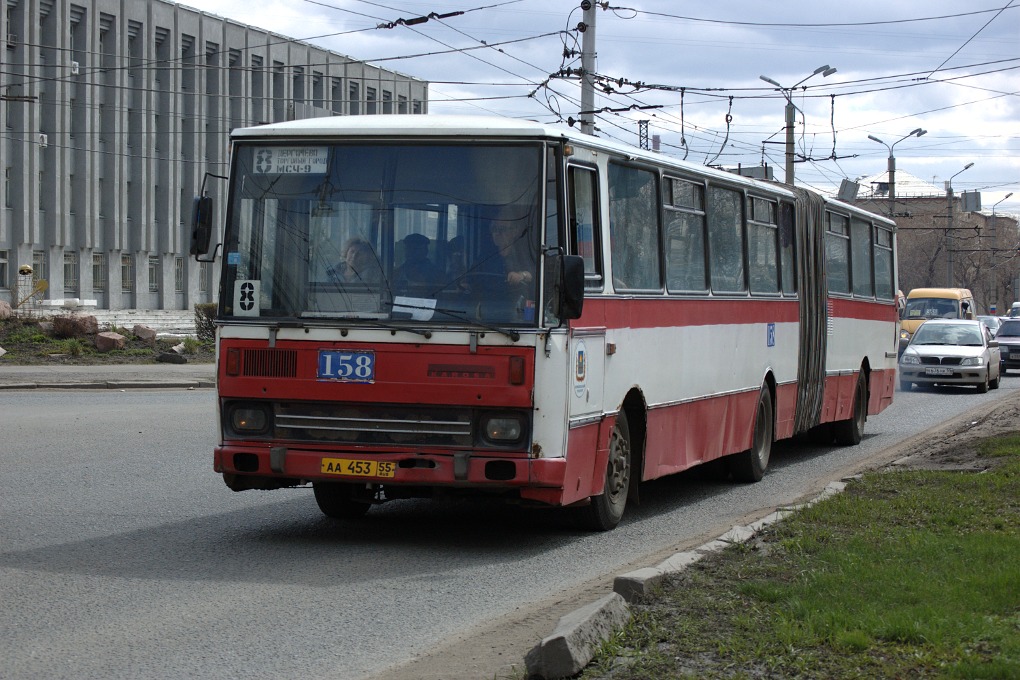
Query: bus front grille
374 424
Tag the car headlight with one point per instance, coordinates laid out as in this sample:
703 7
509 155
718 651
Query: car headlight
904 335
971 361
912 359
503 429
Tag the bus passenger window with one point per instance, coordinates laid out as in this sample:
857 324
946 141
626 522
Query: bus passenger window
860 257
883 263
837 253
634 228
762 246
787 248
726 240
685 236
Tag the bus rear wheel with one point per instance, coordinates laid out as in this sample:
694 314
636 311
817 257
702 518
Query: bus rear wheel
750 465
606 510
849 432
339 500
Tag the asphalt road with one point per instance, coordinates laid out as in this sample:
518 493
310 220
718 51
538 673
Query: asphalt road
123 555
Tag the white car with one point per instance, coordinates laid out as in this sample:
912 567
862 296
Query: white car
951 352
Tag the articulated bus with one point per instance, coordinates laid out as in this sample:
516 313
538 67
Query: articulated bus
427 306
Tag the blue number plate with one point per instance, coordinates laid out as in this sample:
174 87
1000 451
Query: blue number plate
357 367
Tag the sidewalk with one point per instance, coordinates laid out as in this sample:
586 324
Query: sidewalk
112 376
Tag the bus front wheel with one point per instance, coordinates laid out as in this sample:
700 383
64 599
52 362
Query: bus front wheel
606 510
749 465
338 500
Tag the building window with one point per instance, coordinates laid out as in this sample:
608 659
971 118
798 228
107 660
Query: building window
153 273
370 98
42 193
178 274
4 256
7 187
39 267
355 96
127 273
70 271
203 277
99 272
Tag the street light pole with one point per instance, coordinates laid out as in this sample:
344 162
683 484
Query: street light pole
791 113
949 229
891 168
994 206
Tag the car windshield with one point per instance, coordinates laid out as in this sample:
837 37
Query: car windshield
948 334
932 308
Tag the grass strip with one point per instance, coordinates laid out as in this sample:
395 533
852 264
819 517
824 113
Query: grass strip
906 574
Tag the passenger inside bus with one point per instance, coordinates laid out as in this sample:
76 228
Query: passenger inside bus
417 269
360 263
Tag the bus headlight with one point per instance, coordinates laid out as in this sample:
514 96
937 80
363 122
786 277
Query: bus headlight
249 419
503 429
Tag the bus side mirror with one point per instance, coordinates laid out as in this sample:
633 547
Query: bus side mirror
572 287
201 225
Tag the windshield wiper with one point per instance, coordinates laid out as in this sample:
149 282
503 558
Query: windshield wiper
462 316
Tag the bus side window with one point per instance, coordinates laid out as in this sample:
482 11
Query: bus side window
860 257
584 226
726 240
837 253
883 263
685 236
634 228
788 248
763 245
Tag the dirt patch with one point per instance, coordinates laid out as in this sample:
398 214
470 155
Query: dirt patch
956 447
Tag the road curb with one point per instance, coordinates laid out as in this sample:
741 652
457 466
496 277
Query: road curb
111 384
578 635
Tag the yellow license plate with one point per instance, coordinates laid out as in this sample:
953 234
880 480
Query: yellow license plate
358 468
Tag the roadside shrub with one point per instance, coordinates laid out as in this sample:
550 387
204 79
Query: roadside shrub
191 345
70 326
73 346
205 326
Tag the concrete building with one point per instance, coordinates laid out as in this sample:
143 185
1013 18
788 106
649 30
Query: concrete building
111 114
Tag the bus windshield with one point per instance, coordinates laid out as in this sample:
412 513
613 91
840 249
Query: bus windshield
441 233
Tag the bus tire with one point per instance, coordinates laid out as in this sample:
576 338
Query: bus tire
605 511
337 500
750 465
849 432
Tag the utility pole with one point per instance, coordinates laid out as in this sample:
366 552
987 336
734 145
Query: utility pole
587 27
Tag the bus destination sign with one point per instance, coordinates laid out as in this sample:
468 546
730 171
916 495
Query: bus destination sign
291 160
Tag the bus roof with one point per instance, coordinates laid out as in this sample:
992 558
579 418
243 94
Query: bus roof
456 127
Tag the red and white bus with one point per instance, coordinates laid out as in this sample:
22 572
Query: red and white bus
413 306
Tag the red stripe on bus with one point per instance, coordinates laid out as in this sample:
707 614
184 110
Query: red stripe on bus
618 312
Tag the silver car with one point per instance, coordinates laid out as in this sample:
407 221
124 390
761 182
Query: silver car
951 352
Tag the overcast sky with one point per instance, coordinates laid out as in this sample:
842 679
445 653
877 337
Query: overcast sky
951 68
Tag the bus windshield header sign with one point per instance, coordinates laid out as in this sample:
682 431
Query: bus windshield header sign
291 160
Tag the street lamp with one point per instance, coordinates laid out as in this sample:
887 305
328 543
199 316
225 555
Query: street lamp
994 206
949 230
791 116
892 164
